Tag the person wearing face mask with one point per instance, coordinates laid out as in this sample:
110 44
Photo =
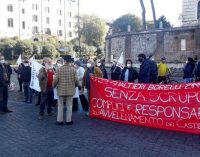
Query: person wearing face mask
163 69
129 74
144 73
153 70
115 71
91 70
26 78
103 69
4 82
45 77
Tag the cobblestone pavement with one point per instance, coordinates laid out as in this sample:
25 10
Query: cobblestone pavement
23 135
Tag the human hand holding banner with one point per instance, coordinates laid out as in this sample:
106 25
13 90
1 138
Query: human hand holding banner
171 107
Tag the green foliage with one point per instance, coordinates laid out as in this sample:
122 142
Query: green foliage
166 24
86 50
121 24
6 47
93 30
23 47
49 50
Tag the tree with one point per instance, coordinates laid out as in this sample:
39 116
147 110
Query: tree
165 23
121 24
93 30
23 47
143 14
49 50
153 12
6 46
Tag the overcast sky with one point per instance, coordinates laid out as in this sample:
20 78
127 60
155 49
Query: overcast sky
112 9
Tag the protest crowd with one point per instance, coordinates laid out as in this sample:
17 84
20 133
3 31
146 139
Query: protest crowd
67 82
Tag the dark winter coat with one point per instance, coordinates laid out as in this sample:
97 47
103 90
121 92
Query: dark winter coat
145 71
115 72
188 70
105 75
26 74
133 74
2 81
153 71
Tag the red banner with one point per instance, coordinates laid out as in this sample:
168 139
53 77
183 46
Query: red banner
165 106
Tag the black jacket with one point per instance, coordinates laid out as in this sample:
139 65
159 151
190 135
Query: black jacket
133 74
105 75
26 74
144 74
115 72
2 81
188 70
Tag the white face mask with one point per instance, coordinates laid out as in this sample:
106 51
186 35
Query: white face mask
89 65
152 59
98 64
128 65
59 65
26 64
2 61
49 66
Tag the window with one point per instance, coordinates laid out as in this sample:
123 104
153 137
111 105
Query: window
35 29
23 11
47 20
35 18
23 25
70 24
69 34
60 2
60 33
10 8
183 44
47 10
47 31
59 22
198 10
10 23
34 6
69 14
59 12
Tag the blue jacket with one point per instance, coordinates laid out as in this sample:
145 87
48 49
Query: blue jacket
145 71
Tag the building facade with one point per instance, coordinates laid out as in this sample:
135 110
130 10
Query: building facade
38 19
191 12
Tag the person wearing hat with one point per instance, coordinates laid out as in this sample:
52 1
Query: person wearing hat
26 79
65 81
4 82
45 78
163 70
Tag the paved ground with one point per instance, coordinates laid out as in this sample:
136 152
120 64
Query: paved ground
23 135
